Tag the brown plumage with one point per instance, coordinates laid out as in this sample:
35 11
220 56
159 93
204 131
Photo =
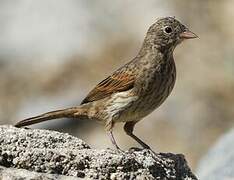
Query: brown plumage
119 81
135 89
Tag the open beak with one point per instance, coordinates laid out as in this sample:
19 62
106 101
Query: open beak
188 35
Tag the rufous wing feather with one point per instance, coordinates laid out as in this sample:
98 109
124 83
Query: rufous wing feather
118 82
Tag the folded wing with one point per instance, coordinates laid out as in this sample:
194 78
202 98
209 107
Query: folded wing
121 80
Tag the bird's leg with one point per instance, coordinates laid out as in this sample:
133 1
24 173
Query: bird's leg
109 127
128 128
110 134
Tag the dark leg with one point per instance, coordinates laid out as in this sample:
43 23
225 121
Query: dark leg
128 128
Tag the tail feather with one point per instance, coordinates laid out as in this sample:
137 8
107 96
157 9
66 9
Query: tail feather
64 113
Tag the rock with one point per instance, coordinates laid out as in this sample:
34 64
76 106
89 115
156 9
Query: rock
13 173
218 163
54 155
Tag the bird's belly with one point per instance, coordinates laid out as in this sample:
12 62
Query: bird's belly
120 106
130 109
144 105
133 112
124 107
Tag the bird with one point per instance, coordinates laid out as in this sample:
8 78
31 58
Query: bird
135 89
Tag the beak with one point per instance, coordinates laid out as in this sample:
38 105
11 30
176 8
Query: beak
188 35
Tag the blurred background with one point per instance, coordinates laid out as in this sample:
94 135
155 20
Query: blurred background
52 53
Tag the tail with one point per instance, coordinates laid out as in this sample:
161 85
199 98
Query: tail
64 113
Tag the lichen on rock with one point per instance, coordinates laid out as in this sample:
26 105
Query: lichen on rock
54 155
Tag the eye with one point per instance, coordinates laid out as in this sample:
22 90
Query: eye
168 29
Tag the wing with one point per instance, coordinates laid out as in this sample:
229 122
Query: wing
121 80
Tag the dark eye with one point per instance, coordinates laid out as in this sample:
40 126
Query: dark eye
168 29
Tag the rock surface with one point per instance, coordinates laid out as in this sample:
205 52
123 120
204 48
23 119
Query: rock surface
54 155
21 174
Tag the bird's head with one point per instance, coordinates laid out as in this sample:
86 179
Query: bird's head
166 33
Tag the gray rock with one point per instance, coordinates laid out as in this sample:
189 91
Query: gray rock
13 174
51 154
218 163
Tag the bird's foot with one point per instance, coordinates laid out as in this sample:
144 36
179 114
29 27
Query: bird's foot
149 150
23 127
118 150
132 149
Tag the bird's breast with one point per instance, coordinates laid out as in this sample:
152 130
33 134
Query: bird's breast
156 87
